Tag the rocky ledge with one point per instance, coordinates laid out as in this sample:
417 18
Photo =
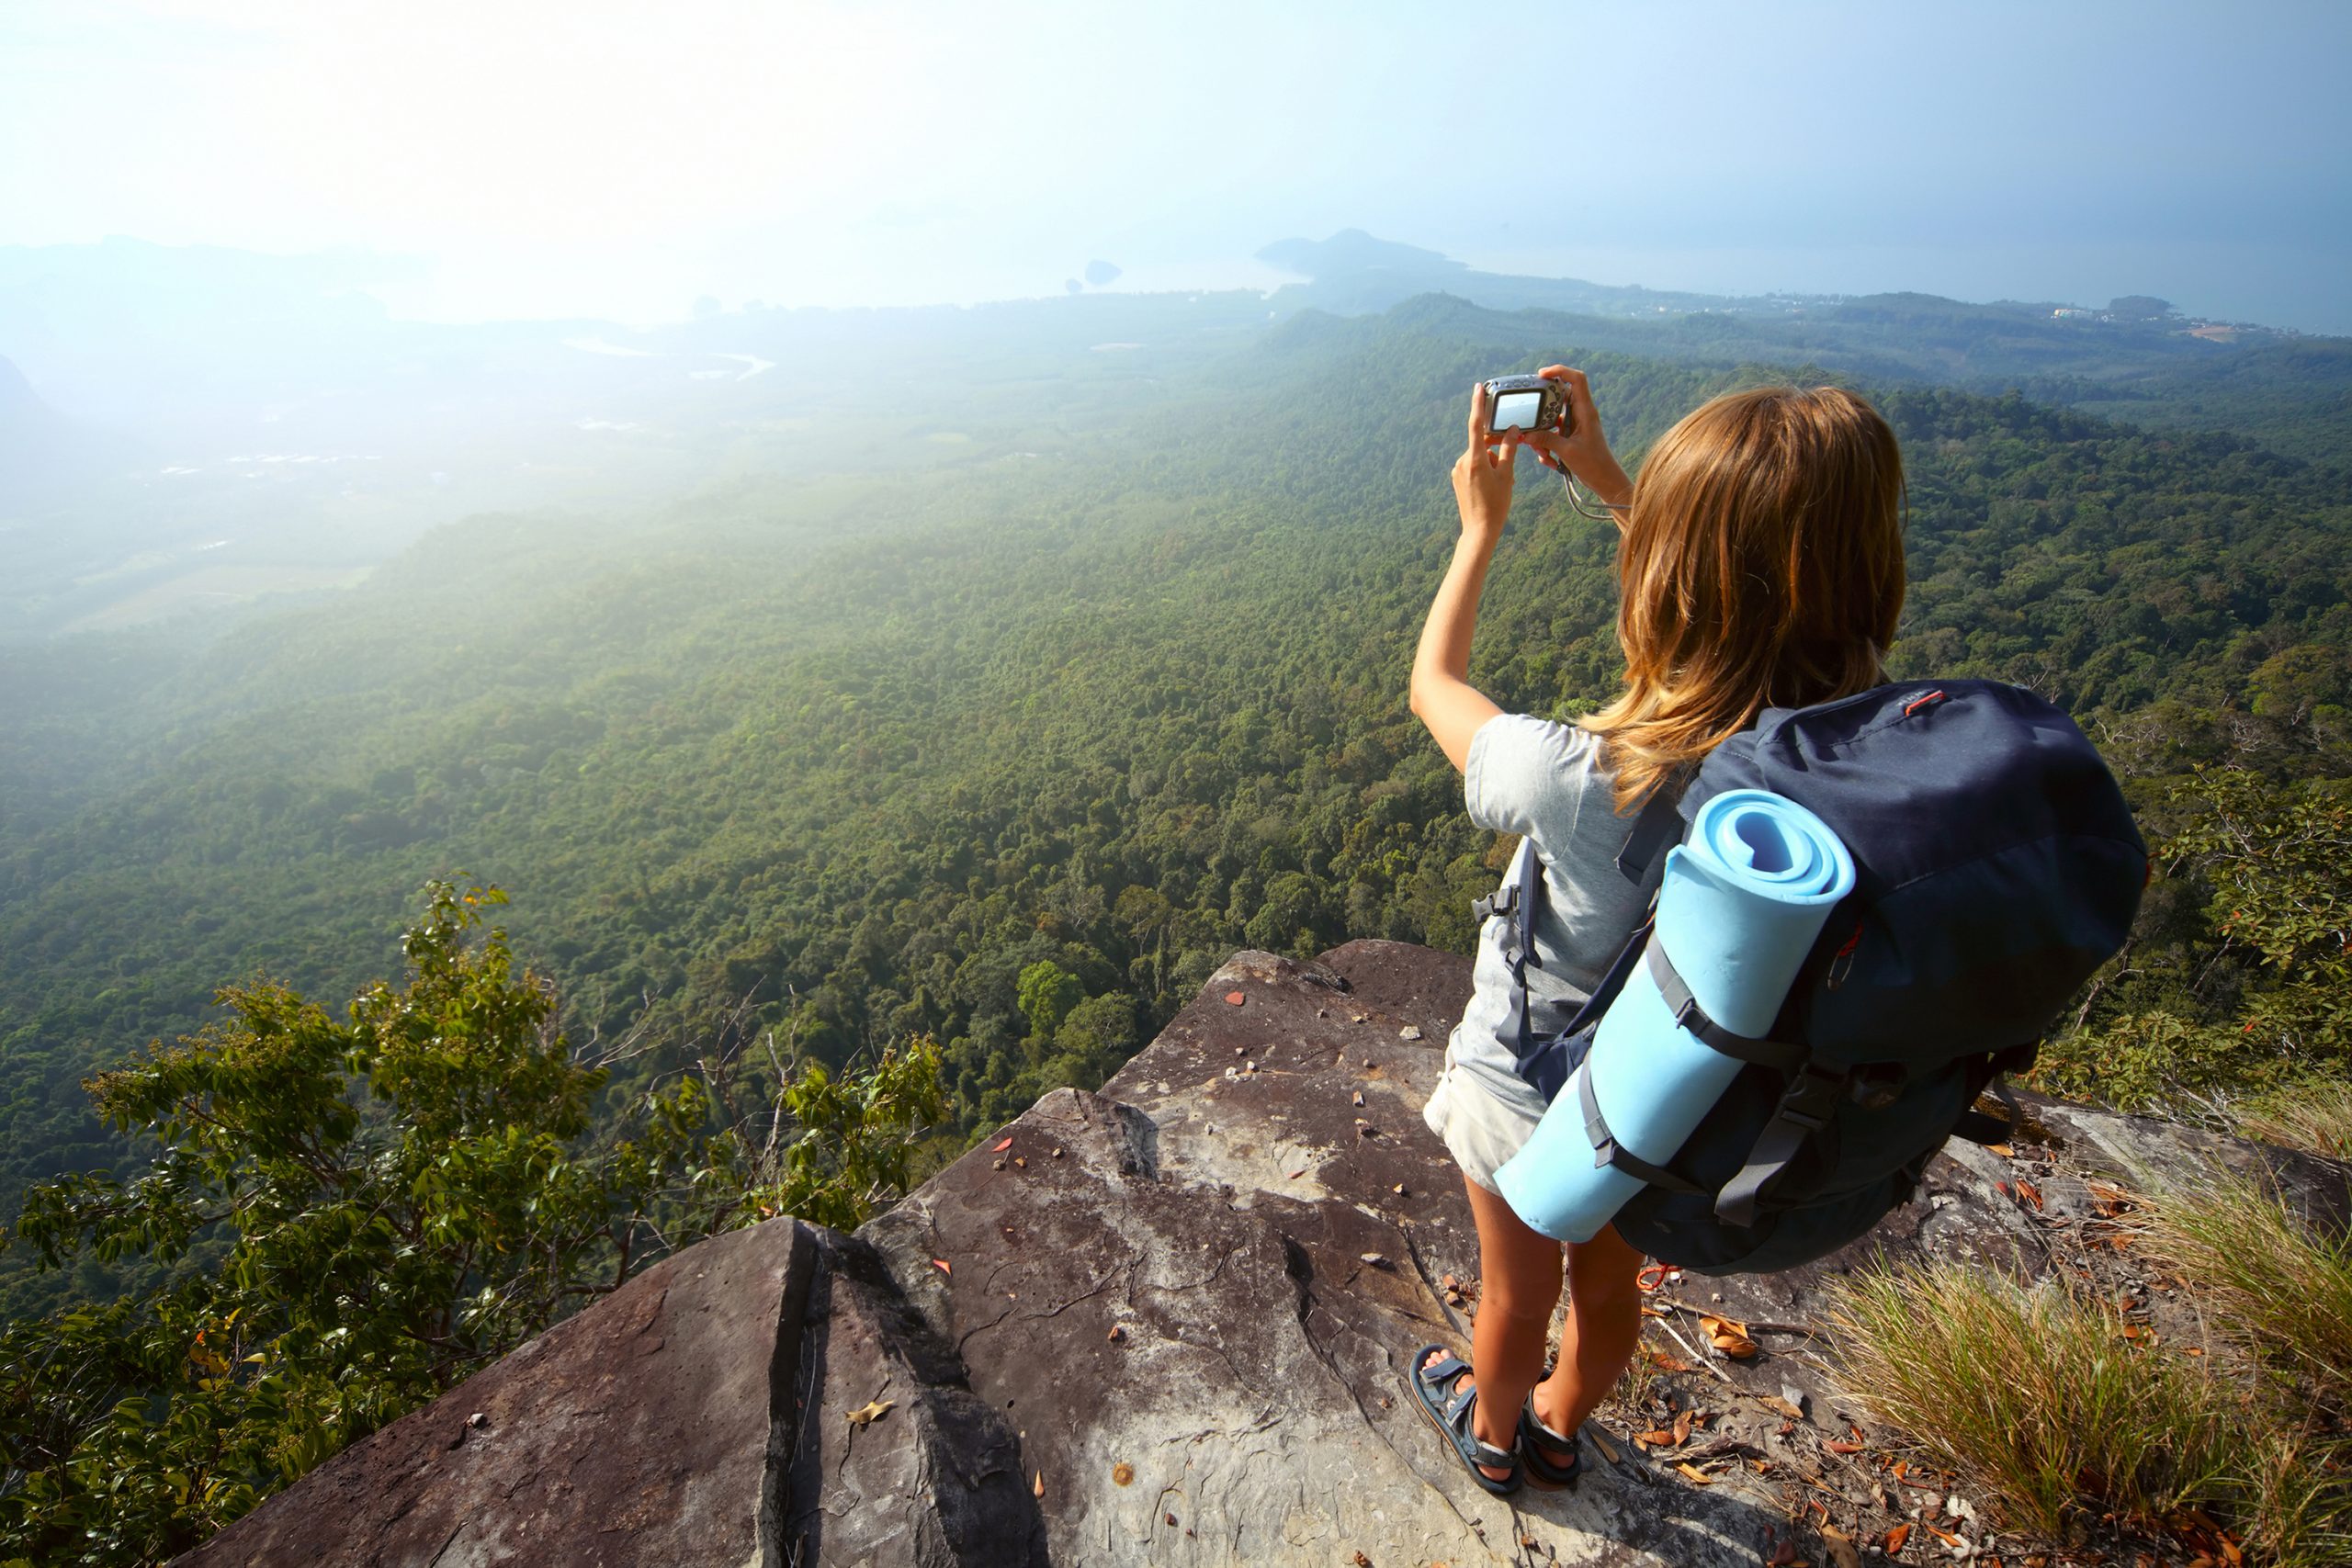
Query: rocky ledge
1169 1324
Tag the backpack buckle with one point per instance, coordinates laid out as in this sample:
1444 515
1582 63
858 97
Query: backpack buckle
1503 900
1876 1087
1813 1097
1688 1017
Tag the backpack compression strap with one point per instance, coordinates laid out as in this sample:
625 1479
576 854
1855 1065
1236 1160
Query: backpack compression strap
1799 1117
1691 1016
1805 1108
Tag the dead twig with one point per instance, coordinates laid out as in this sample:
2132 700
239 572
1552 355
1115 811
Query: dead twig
1697 1356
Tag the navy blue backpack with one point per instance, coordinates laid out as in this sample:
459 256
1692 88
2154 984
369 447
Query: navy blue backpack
1997 867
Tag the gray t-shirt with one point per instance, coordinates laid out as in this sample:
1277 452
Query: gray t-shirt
1546 780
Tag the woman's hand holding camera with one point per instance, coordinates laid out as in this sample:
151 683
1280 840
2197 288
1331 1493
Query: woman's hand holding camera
1482 474
1582 448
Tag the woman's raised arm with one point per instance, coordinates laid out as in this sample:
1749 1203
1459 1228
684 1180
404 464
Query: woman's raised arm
1442 695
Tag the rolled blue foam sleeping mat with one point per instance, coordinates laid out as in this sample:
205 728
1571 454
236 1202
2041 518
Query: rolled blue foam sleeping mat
1745 896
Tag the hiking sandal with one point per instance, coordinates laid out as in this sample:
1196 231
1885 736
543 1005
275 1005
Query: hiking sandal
1534 1437
1449 1410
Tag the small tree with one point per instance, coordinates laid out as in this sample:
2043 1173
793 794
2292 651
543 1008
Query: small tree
2256 995
351 1217
1047 994
858 1137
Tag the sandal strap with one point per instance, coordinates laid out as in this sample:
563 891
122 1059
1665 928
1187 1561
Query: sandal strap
1558 1439
1458 1418
1459 1402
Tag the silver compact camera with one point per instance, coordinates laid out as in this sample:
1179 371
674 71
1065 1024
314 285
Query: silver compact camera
1526 402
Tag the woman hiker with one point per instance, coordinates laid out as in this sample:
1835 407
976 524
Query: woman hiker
1760 564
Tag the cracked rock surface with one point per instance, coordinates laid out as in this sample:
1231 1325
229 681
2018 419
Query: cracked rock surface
634 1434
1169 1322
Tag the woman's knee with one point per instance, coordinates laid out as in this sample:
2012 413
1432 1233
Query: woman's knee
1529 1297
1604 1271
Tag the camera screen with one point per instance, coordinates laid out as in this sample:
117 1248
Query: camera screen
1516 410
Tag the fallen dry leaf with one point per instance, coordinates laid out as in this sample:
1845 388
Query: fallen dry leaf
1783 1555
866 1415
1728 1337
1001 1144
1665 1363
1037 1488
2004 1150
1235 998
1121 1474
941 1265
1682 1426
2110 1200
1774 1402
1362 1561
1842 1552
1895 1538
1657 1438
1695 1475
2029 1194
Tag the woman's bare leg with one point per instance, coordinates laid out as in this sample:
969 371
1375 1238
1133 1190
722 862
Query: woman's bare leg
1518 1287
1604 1325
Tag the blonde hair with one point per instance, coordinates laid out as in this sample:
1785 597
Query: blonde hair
1761 567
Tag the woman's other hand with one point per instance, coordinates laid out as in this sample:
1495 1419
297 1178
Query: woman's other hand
1482 474
1584 450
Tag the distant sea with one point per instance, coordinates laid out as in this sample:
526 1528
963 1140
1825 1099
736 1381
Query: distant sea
2273 284
2308 289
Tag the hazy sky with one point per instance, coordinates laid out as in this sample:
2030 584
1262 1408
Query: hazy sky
621 159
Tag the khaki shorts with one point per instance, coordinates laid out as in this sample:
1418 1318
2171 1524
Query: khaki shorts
1479 1130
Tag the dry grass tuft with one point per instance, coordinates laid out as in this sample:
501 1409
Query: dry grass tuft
2038 1396
2035 1396
2315 1117
2266 1276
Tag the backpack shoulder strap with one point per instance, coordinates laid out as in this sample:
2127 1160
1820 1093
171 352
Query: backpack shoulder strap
1523 885
1656 828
